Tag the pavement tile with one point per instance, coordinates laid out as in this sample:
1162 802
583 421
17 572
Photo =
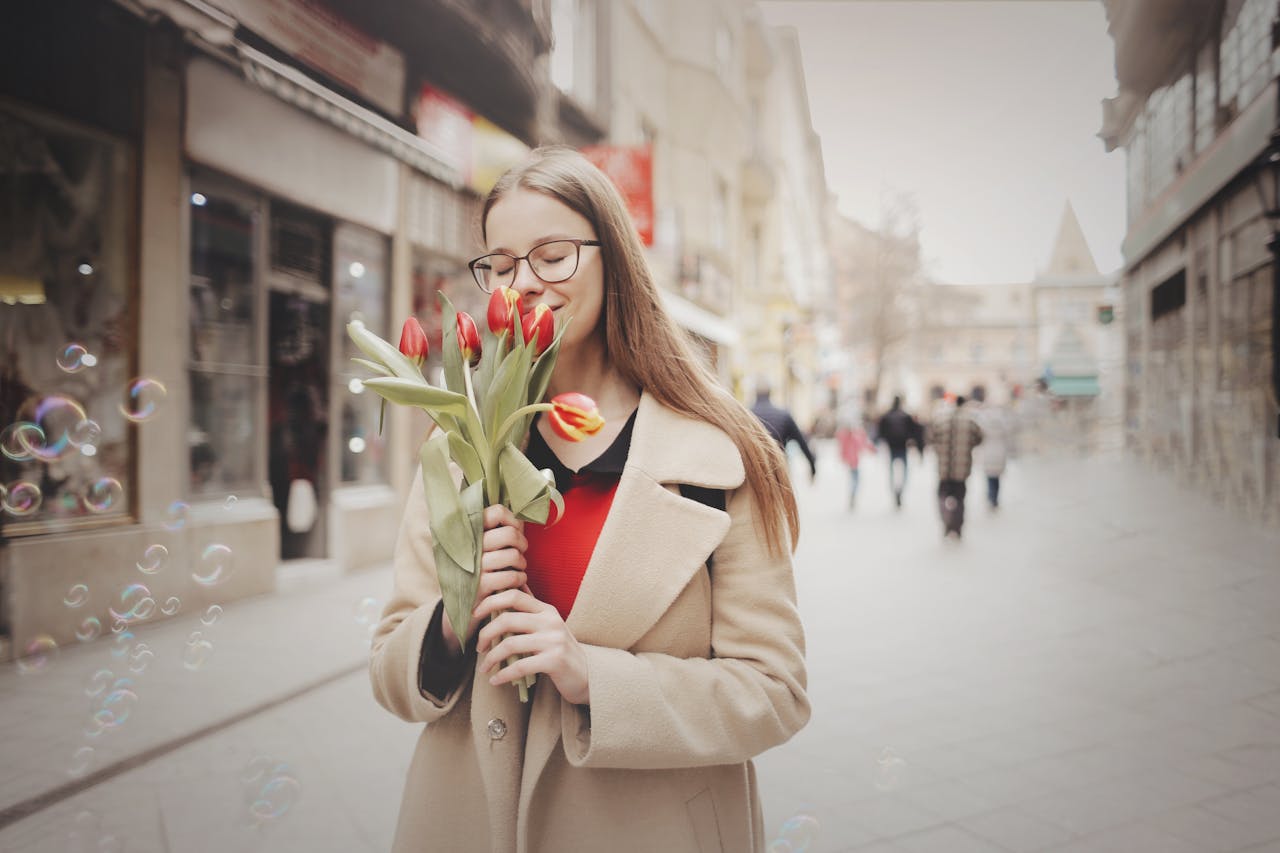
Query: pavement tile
1013 829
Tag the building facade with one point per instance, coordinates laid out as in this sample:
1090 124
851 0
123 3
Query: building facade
1196 115
198 198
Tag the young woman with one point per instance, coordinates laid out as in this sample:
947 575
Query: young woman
663 629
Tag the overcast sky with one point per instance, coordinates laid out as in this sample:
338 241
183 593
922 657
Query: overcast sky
985 112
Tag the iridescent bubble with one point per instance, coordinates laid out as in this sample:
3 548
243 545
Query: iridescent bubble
891 771
22 498
171 605
87 433
196 653
57 416
211 615
122 643
98 682
104 494
133 604
271 789
144 396
117 626
216 564
41 651
75 358
140 657
177 515
799 833
90 629
18 438
153 559
367 611
76 596
120 702
80 761
231 502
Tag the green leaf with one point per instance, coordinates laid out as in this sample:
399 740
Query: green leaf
466 457
473 503
374 366
449 523
507 393
541 377
410 392
558 500
449 352
458 588
495 350
382 352
525 485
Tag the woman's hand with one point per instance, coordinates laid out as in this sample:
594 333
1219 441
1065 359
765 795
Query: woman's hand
502 565
526 626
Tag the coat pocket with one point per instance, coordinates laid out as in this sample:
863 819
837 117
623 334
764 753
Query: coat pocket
706 828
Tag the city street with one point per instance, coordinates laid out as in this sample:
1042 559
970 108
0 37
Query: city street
1096 667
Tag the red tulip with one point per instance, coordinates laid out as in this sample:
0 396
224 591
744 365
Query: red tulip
504 311
413 341
468 338
574 416
539 328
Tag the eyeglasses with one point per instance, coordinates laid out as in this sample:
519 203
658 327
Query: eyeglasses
553 262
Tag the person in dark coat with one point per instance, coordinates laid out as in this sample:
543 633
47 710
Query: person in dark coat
781 425
897 429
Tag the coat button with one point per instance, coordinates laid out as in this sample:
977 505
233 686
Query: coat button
497 729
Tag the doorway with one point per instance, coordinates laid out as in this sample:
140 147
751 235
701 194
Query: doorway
298 385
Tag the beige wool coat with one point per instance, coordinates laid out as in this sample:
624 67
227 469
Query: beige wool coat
692 673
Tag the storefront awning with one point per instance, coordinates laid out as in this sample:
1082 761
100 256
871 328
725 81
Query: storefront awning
1074 386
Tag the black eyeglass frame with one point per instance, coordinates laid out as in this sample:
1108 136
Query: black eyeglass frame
578 243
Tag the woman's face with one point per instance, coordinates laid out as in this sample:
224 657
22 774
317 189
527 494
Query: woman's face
523 219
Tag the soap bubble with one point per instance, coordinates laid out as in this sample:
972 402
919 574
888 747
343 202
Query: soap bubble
22 498
153 559
216 564
41 651
103 494
144 396
76 596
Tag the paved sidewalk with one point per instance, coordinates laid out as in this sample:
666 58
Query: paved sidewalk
1095 668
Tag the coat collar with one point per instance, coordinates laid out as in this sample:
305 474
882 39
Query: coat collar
674 448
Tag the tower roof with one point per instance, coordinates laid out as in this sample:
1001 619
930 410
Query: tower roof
1071 255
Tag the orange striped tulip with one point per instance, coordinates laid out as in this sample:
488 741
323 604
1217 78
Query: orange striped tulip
574 416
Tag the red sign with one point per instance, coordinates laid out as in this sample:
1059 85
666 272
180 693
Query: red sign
631 170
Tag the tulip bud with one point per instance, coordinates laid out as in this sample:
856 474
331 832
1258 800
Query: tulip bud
574 416
468 339
539 328
413 341
504 311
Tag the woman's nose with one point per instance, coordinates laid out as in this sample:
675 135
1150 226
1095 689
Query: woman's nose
525 281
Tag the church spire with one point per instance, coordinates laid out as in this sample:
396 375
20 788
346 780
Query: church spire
1071 255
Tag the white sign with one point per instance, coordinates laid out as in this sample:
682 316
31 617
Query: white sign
317 36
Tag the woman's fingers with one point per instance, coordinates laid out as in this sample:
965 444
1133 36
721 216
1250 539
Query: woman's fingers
510 599
509 622
511 645
507 558
498 515
497 581
505 536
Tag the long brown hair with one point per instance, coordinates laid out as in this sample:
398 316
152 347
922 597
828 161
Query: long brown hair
642 341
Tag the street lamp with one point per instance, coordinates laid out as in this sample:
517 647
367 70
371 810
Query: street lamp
1266 180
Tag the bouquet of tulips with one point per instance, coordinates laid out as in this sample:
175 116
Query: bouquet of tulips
493 388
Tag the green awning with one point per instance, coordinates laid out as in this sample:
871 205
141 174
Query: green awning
1074 386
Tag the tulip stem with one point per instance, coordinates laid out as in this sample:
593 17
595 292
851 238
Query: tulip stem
512 419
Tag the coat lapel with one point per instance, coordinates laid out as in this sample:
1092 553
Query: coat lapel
654 539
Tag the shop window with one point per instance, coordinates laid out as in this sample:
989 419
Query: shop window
66 333
361 280
227 368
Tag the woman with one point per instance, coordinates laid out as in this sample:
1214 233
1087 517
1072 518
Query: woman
663 631
853 442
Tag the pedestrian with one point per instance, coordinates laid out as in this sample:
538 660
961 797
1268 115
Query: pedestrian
998 444
659 613
897 430
954 434
781 425
853 441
